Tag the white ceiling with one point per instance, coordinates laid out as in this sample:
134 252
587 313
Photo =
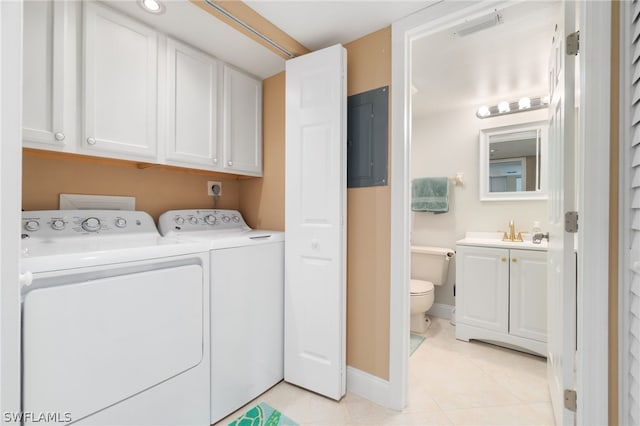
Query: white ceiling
314 23
322 23
504 62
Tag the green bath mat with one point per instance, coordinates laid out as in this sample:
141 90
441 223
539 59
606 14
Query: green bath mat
263 415
416 340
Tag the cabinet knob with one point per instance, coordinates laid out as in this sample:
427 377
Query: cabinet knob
91 141
504 259
215 161
59 136
229 163
514 260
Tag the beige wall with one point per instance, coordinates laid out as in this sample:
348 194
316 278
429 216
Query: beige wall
157 189
368 209
368 227
443 144
262 199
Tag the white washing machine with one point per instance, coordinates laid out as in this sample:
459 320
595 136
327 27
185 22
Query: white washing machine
115 321
247 303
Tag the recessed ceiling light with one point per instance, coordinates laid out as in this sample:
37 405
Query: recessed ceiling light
152 6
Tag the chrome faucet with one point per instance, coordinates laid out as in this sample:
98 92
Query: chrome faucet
538 236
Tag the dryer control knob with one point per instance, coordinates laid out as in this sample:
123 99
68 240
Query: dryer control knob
236 219
225 219
210 219
57 225
91 224
32 225
121 222
193 220
179 220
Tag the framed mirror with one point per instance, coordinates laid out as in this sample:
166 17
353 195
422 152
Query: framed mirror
513 162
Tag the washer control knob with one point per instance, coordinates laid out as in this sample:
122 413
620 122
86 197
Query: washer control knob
236 219
91 224
91 141
210 219
193 220
59 136
32 225
179 220
57 224
121 222
226 219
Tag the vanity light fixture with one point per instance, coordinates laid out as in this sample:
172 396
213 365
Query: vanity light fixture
521 105
152 6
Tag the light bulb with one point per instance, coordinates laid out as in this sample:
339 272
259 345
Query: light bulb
524 103
152 6
483 111
545 100
504 106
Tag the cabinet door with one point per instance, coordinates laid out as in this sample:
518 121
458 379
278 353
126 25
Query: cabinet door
482 287
242 123
45 121
528 294
192 81
120 85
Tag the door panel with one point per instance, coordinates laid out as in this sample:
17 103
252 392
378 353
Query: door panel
315 291
561 281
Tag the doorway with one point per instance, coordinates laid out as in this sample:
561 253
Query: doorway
592 329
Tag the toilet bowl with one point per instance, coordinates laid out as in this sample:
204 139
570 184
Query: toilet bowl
421 301
429 267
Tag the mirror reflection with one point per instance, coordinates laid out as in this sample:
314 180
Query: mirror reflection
512 162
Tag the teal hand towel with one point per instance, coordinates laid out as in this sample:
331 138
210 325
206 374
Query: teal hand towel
430 195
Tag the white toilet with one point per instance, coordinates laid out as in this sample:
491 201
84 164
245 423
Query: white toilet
429 267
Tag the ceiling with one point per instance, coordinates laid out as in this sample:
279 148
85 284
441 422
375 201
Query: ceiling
314 23
504 62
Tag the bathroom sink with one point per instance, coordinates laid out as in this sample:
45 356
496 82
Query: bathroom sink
494 239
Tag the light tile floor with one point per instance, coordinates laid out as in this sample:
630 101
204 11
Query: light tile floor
450 383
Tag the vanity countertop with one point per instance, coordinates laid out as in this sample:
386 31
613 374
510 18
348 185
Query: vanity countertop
494 239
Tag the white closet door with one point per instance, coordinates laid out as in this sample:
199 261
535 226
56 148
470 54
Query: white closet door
315 216
120 85
561 282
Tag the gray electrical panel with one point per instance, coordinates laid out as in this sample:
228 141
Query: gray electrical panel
367 138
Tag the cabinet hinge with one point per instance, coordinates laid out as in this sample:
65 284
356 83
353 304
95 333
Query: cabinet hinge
570 400
573 43
571 222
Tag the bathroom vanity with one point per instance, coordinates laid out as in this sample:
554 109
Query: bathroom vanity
501 291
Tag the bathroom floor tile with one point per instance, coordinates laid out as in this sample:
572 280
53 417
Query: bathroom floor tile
450 383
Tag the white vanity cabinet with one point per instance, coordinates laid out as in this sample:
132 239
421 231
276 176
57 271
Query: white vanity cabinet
501 294
192 137
47 118
242 123
120 86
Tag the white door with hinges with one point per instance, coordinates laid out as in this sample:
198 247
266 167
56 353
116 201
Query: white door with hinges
561 283
315 222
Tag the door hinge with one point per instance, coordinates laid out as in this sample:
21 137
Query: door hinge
573 43
570 400
571 222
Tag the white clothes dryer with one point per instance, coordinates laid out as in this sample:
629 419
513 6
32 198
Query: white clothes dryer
115 321
247 303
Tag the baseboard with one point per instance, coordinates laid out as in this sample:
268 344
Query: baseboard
368 386
440 310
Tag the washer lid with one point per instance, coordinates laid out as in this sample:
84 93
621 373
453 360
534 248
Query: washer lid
421 287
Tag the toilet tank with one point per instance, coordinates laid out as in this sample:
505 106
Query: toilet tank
430 263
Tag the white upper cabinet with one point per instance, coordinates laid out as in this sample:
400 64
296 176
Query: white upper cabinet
192 107
47 118
242 123
120 86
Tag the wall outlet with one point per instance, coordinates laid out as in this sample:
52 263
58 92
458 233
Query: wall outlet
214 188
